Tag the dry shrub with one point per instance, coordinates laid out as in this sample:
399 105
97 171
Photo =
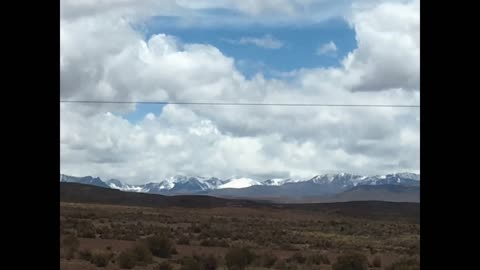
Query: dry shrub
377 262
351 261
163 266
266 259
297 257
160 246
85 229
183 240
239 258
100 259
137 255
199 262
317 259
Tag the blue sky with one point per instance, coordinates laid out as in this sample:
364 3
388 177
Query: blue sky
298 50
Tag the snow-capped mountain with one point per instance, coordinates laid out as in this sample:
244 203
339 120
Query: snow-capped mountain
87 180
174 184
117 184
406 179
341 180
317 185
214 183
275 182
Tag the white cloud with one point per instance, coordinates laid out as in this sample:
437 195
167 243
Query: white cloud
328 48
150 116
266 42
388 53
102 57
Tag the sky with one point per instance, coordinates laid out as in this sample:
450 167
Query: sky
273 51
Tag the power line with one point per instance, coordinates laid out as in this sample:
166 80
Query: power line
242 104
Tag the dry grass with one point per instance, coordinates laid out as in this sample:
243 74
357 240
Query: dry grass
280 239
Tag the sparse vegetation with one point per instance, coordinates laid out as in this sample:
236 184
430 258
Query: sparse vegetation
280 264
317 259
213 243
199 262
239 258
405 264
100 259
71 241
85 255
126 260
132 237
189 263
183 240
352 261
208 262
69 246
163 266
266 259
85 229
141 254
297 257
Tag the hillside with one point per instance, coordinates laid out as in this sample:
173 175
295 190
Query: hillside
79 193
392 193
74 192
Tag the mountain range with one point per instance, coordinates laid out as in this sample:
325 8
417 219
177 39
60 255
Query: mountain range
320 188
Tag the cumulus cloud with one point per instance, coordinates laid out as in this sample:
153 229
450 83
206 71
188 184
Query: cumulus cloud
388 53
104 58
328 48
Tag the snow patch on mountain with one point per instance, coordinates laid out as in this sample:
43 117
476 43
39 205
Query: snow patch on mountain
274 182
240 183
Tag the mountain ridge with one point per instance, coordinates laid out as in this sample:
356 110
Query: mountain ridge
324 185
